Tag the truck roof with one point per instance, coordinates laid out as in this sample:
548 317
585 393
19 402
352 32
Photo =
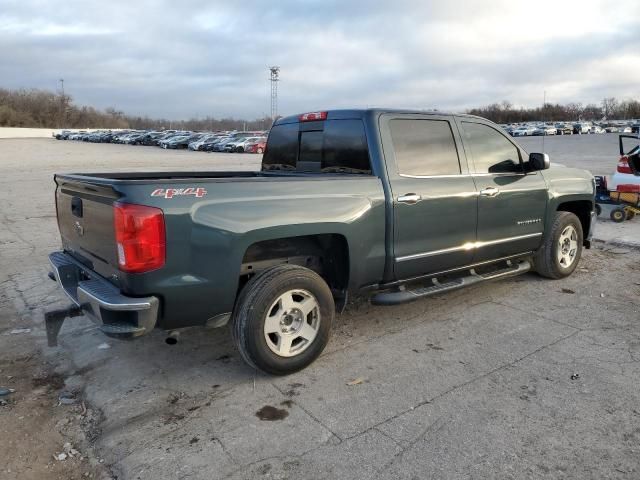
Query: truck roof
363 112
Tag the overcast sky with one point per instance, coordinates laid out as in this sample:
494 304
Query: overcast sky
183 59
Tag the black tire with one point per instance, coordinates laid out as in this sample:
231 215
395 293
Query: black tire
251 309
598 209
546 259
630 215
618 215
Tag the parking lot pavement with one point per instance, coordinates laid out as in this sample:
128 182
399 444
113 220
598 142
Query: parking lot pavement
597 153
525 378
624 234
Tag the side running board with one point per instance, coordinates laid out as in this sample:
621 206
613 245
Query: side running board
405 294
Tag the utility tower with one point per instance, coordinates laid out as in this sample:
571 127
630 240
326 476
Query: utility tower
275 78
63 104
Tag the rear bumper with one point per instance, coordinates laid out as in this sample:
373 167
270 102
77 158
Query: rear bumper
116 314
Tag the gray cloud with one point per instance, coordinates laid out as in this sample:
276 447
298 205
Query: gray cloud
197 57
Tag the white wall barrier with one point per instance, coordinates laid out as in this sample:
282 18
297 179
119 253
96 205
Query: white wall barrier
11 132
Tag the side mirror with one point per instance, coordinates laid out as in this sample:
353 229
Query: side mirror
538 161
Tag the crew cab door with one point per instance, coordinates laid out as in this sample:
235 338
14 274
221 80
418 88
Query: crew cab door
511 203
434 198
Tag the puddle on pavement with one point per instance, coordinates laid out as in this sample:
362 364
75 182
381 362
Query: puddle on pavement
270 414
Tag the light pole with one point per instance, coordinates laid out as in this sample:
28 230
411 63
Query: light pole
274 79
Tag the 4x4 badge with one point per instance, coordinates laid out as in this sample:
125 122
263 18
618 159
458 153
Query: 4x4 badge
198 192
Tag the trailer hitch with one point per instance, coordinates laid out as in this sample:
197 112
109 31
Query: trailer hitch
54 319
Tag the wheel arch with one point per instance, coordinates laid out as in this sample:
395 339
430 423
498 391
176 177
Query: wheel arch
581 209
327 254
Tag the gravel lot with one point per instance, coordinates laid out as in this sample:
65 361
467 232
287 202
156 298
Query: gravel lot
524 378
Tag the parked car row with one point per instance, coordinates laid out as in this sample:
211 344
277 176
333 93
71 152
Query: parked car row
567 128
232 142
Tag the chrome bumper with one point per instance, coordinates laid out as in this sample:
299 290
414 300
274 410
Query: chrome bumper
118 315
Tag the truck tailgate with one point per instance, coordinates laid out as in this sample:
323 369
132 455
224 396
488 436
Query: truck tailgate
85 220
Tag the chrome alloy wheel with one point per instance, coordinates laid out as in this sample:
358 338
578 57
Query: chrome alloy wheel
292 323
567 246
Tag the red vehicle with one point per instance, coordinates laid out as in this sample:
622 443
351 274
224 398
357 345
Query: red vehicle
257 147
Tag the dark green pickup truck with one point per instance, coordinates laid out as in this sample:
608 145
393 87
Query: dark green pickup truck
394 204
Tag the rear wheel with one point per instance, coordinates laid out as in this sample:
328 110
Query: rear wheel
630 215
598 209
259 150
618 215
560 253
282 319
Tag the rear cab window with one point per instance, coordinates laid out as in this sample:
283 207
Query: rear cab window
328 146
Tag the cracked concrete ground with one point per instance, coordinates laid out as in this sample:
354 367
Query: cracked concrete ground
525 378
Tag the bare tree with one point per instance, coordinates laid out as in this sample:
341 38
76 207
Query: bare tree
40 108
609 107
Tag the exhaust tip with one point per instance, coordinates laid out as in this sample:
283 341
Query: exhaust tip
172 338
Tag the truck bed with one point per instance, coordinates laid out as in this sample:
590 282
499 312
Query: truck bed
207 235
133 178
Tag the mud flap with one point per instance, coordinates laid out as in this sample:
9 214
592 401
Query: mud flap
54 319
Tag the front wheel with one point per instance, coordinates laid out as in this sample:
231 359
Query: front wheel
282 319
559 254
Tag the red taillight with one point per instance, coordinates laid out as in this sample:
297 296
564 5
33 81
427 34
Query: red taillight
623 165
140 237
312 116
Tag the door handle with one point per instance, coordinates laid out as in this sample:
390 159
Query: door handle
489 192
409 198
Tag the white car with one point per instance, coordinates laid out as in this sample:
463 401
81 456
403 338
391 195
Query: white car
544 130
581 128
623 175
596 129
522 131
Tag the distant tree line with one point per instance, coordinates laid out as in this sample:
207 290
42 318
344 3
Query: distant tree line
609 109
44 109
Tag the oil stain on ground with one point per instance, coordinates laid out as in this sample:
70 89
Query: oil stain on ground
270 414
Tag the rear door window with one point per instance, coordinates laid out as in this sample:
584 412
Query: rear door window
424 147
332 146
